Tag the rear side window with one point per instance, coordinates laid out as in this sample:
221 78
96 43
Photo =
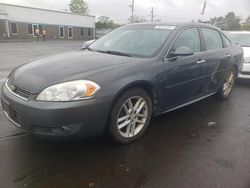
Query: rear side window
188 38
212 39
226 41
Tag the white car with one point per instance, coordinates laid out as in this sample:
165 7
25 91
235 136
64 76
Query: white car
243 38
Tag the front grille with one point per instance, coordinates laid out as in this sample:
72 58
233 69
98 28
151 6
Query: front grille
23 93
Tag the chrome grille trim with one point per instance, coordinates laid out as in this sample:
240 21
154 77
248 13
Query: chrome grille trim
8 88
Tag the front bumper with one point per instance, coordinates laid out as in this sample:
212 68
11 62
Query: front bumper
245 71
79 119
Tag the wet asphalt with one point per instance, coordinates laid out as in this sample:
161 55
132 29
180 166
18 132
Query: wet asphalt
206 144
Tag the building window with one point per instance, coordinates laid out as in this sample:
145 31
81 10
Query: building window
30 30
13 28
61 32
70 32
35 29
89 32
40 27
82 32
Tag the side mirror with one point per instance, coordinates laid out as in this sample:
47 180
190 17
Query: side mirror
87 44
182 51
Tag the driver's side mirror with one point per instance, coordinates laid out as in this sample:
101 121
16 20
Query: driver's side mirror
182 51
87 44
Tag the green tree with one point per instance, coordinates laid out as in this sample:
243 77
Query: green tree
79 6
246 25
248 20
105 22
232 22
218 22
136 19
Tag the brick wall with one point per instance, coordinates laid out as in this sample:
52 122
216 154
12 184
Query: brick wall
2 29
52 32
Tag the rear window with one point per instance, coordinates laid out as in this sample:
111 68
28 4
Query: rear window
212 39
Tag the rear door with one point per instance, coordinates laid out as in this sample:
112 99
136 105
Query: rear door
186 75
217 57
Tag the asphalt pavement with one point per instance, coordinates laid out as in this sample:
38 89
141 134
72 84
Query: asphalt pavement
206 144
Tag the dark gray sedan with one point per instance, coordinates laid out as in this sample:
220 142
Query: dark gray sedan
120 81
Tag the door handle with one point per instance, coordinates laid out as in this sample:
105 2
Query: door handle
228 55
201 61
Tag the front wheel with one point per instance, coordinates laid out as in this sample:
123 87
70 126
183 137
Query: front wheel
130 116
228 84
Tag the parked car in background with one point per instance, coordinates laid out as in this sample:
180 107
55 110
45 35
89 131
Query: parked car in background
243 38
118 82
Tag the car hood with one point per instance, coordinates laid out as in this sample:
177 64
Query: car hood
39 74
246 51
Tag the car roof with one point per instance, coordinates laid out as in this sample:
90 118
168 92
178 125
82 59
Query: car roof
173 24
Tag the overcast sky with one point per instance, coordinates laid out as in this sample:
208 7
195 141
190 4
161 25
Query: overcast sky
166 10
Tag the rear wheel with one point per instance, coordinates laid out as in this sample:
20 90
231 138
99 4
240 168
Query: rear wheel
228 84
130 116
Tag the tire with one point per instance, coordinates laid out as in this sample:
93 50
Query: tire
228 84
130 116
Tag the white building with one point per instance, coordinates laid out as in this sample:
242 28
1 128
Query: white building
20 22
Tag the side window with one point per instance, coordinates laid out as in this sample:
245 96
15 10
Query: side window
212 39
13 28
82 32
188 38
89 32
30 30
61 31
226 41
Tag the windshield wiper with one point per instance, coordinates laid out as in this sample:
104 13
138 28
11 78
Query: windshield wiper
115 53
87 48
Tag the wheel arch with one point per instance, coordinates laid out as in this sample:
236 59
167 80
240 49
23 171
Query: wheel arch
146 86
236 68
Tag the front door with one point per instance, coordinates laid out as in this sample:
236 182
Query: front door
186 75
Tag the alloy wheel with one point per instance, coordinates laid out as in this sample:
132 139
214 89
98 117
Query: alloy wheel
132 116
229 83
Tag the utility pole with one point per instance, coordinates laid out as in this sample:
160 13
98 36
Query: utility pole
132 9
152 14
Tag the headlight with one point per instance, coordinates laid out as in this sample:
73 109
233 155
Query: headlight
69 91
247 60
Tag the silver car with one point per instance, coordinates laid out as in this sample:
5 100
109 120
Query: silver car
243 38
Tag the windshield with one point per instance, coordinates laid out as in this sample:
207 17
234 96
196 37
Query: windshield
242 38
139 41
